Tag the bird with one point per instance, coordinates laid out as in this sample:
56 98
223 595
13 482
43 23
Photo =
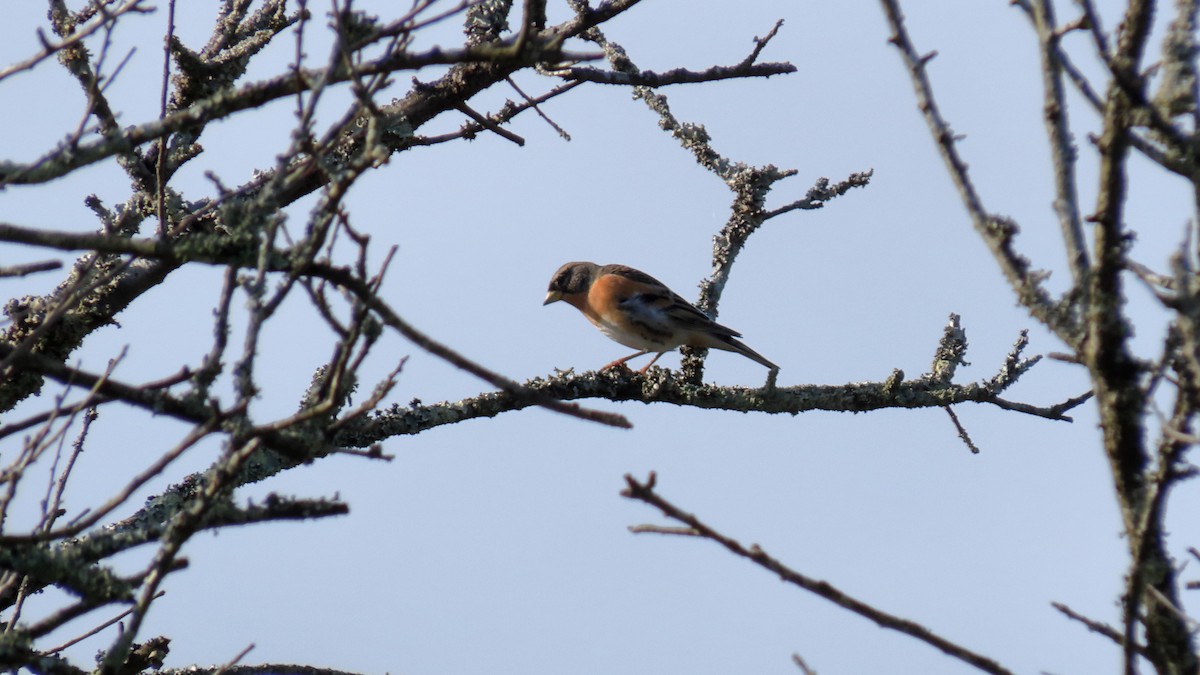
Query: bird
639 311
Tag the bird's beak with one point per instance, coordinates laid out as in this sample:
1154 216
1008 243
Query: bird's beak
552 296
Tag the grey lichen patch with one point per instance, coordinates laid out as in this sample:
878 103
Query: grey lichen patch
263 464
487 21
950 352
64 568
161 508
892 383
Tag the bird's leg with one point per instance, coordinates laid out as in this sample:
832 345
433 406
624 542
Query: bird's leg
621 362
647 366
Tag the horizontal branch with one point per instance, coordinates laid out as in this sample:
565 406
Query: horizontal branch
261 669
217 249
613 385
26 269
664 386
45 566
295 446
649 78
67 159
72 564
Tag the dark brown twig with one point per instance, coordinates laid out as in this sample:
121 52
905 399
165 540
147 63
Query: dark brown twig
645 492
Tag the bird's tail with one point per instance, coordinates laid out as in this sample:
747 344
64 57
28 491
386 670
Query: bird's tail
731 344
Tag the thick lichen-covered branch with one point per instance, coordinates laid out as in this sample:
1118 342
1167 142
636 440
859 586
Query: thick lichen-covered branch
664 386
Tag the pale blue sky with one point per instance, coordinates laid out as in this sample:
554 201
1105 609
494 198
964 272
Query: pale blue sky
499 546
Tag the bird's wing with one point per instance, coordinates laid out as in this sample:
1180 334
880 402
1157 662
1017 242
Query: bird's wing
652 302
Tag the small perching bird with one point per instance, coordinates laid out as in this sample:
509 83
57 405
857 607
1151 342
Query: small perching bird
638 311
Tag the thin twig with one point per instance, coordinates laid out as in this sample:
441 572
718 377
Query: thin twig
804 669
1095 626
160 164
962 431
997 232
488 124
649 78
76 640
645 492
26 269
537 109
1062 146
234 661
81 32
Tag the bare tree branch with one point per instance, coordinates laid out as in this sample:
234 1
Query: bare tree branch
998 232
645 492
647 78
1092 317
1062 144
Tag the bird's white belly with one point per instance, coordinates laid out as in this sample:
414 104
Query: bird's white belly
635 339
